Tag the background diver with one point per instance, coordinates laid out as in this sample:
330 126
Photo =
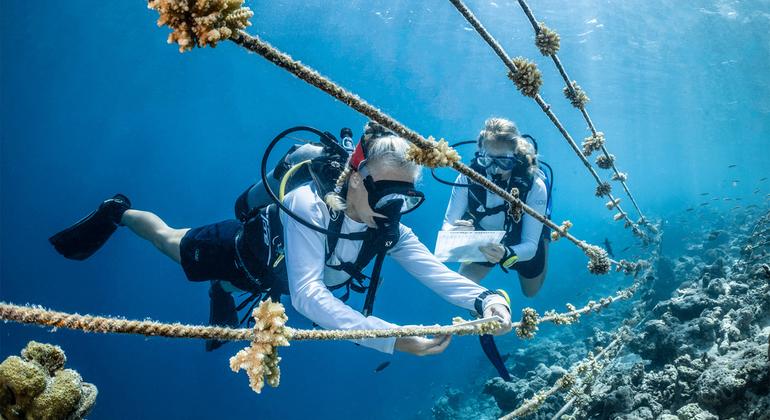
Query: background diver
320 240
509 160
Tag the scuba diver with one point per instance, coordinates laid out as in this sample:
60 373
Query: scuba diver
314 238
510 161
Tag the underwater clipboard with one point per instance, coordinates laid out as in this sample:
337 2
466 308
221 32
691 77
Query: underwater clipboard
463 246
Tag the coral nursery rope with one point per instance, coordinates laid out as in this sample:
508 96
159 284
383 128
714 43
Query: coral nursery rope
602 187
574 93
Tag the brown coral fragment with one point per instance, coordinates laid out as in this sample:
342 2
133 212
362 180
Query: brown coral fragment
603 189
439 154
528 325
620 176
260 360
515 208
598 260
605 161
562 231
201 22
593 143
576 96
547 40
527 77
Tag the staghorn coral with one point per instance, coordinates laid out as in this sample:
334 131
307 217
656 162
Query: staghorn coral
598 260
35 386
201 22
260 360
438 155
620 176
593 143
605 161
603 189
528 325
612 204
547 40
578 99
527 78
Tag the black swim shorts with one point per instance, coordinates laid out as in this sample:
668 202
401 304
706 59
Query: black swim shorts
208 252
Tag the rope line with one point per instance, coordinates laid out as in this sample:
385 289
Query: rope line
574 93
255 44
602 186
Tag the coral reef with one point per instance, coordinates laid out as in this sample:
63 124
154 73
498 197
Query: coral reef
593 143
547 40
260 360
201 22
36 386
438 155
578 99
700 350
527 78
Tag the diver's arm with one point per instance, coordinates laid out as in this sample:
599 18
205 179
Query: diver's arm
458 203
531 229
305 263
415 258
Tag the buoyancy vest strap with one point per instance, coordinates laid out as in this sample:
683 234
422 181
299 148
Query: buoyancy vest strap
374 283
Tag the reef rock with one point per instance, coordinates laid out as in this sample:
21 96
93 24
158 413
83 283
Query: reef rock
36 386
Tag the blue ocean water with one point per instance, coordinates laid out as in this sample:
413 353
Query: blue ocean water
93 102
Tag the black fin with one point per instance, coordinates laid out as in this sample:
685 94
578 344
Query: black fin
222 312
85 237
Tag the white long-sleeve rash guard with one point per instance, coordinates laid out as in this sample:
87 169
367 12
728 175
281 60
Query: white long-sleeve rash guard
309 276
531 228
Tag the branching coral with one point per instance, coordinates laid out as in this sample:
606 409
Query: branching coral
36 386
605 161
628 267
598 260
260 360
562 231
438 155
528 325
620 176
576 96
547 40
593 143
603 189
201 22
527 78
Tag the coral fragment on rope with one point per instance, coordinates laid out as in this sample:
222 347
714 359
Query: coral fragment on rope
515 208
603 189
593 143
260 360
562 231
605 161
598 260
547 40
576 96
527 78
201 22
620 176
528 325
439 154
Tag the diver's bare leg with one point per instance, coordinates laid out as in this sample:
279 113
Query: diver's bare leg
149 226
475 272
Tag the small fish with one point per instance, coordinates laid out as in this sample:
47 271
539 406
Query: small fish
704 204
690 209
736 207
732 166
735 183
381 367
608 247
727 199
756 191
715 199
738 199
763 179
626 249
705 193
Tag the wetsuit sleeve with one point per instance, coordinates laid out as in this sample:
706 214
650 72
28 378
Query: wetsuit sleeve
531 227
458 203
418 261
305 264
